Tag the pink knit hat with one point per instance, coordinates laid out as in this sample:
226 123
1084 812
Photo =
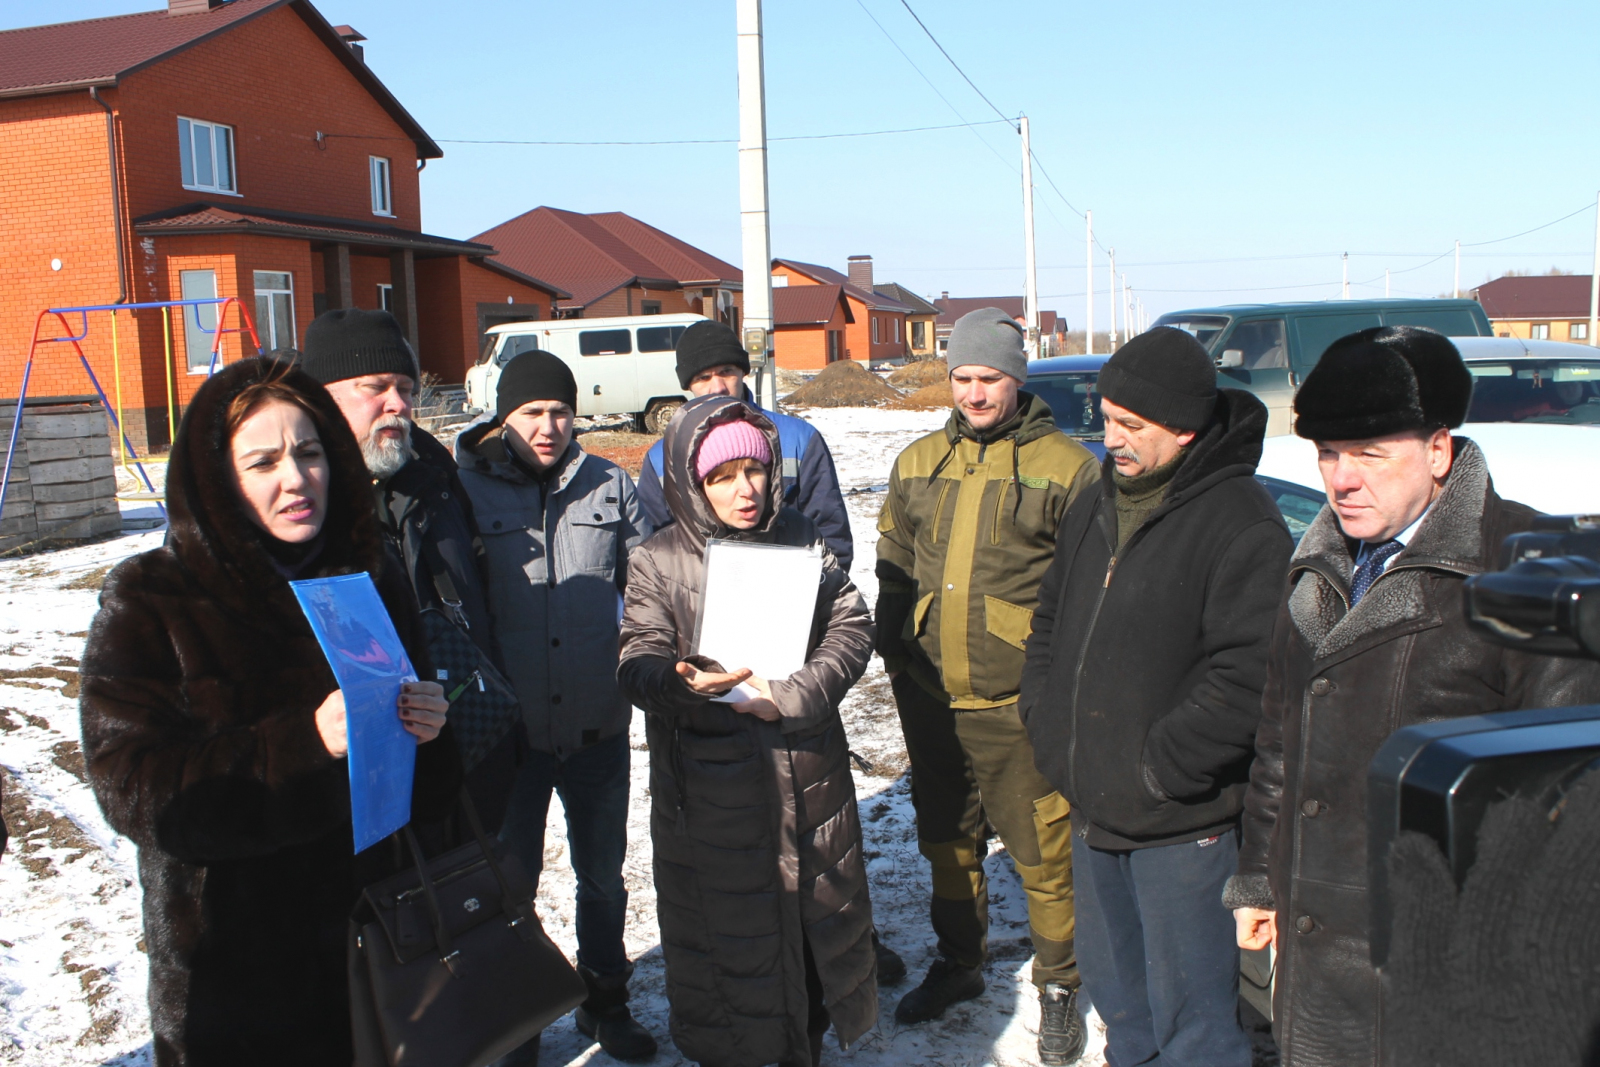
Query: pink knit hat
731 440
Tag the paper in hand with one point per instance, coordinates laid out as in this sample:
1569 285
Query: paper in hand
355 632
757 606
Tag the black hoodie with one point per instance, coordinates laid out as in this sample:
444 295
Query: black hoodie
1142 688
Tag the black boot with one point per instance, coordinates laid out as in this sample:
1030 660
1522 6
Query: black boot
947 983
1061 1036
891 968
605 1017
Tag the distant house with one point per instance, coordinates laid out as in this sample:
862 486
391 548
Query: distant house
212 149
1052 328
1544 306
808 325
921 324
613 264
877 329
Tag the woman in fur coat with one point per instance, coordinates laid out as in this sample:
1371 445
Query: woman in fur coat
214 732
761 888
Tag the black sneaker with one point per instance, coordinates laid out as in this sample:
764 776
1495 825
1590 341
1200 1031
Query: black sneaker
1061 1036
619 1035
891 968
947 983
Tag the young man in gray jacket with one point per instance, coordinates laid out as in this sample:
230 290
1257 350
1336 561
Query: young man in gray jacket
557 525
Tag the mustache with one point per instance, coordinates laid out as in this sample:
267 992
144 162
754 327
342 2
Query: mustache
389 422
1123 452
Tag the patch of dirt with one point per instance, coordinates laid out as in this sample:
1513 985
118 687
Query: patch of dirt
845 384
91 579
34 829
922 372
7 723
932 396
69 690
624 449
69 757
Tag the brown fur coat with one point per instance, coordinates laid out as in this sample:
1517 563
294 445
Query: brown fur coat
200 682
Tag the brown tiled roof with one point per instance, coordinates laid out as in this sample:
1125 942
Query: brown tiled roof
100 52
952 308
896 291
1544 296
808 305
592 255
209 218
828 276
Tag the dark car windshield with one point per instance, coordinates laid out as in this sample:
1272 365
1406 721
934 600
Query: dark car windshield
1203 328
1073 401
1298 504
1536 390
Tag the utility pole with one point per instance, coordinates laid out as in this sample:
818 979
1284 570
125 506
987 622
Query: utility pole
1127 312
754 227
1458 270
1030 278
1088 315
1111 297
1594 283
1344 261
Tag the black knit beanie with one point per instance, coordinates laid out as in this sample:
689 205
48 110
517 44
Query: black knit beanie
534 375
1383 380
705 345
351 343
1163 375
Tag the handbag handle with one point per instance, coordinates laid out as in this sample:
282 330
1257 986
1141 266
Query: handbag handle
508 903
441 936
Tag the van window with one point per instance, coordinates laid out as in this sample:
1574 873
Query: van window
1261 344
515 345
1203 328
605 342
659 338
1317 332
1456 322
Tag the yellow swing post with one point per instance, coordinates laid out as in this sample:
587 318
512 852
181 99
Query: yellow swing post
166 336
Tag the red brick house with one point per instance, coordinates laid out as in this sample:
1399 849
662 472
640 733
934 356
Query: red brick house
1549 307
877 327
613 264
808 325
212 148
1052 328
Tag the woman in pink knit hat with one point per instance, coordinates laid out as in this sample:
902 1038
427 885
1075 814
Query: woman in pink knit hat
766 925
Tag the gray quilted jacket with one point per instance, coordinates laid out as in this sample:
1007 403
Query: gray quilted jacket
757 839
558 559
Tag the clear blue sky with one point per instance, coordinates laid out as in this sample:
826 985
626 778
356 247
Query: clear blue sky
1216 133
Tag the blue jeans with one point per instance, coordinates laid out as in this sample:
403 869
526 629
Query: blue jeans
1157 953
593 783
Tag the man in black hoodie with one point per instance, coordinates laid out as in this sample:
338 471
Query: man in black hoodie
1142 691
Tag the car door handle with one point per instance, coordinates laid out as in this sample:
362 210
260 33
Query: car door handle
597 390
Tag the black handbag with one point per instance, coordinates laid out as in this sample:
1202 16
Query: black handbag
448 963
483 704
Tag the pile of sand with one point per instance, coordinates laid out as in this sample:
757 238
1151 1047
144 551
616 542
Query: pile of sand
845 384
936 395
922 372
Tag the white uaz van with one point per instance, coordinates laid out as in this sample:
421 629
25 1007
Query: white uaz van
622 365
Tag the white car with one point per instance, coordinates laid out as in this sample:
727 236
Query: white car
1549 466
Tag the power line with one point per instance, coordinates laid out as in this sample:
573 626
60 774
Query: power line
1536 229
953 63
735 140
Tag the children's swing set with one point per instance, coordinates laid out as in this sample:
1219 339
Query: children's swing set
126 451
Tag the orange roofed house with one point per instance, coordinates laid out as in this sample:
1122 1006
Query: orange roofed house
213 148
1538 307
876 324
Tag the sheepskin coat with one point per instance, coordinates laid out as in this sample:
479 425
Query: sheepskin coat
200 684
756 834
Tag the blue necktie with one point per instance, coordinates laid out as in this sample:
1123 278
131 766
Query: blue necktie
1370 568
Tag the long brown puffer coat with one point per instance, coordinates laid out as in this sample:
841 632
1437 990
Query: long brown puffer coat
757 839
201 680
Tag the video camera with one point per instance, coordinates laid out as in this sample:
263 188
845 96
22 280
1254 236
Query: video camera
1440 778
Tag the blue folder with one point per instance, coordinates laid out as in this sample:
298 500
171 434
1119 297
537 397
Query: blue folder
353 627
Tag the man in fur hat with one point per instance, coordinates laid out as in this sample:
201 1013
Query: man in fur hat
1372 636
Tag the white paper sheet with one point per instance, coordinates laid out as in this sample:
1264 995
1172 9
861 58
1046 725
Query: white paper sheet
757 607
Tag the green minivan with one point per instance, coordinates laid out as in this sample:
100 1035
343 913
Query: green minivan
1269 348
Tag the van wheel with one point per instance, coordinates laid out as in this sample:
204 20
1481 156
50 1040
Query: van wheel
661 411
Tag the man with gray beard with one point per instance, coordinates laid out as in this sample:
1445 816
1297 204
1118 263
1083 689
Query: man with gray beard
364 360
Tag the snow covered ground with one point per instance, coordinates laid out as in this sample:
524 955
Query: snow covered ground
72 971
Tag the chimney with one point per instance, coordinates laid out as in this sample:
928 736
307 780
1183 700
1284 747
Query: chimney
350 35
861 272
944 295
192 7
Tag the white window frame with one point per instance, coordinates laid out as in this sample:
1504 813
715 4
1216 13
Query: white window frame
379 173
1539 331
875 330
265 326
1577 331
188 128
385 296
897 331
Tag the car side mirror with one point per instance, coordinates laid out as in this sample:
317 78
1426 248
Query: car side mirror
1232 359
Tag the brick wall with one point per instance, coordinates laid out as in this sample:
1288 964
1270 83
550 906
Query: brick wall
858 334
449 292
